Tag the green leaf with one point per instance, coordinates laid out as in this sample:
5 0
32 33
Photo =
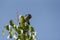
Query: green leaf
22 20
31 38
15 28
7 27
10 31
3 32
26 28
10 36
11 23
31 29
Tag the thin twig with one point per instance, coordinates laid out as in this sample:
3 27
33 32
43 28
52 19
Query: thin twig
17 15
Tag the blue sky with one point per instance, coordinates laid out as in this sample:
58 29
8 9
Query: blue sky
45 16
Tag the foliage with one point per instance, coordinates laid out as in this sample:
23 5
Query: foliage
23 31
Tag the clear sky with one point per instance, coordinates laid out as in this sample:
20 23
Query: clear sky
45 16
